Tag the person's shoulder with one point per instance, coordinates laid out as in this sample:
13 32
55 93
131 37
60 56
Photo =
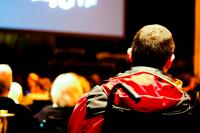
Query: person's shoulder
6 100
22 109
7 104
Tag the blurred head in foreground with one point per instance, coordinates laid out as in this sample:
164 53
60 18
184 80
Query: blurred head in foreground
5 79
66 90
16 92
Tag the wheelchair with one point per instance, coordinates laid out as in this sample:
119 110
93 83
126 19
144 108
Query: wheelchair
123 120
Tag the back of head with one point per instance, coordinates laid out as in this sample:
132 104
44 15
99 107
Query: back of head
84 82
66 90
5 78
152 46
16 92
46 84
32 80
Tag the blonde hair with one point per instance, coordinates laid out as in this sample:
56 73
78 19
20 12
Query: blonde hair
66 90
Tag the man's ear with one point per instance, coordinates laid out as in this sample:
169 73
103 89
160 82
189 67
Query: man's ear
168 63
129 52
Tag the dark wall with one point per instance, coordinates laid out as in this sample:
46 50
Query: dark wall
176 15
50 55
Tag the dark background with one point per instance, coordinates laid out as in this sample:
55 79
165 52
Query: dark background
52 54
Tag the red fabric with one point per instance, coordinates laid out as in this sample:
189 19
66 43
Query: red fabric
156 94
78 123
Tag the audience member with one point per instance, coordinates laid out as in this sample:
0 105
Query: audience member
40 91
22 121
66 91
16 92
46 85
39 95
32 80
158 103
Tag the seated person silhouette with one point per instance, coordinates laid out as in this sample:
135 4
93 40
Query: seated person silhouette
143 99
39 92
22 121
65 92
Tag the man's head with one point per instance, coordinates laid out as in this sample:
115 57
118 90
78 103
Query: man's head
152 46
5 79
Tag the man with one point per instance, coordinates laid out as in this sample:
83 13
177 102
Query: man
159 100
22 121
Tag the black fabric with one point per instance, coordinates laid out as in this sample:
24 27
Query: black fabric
22 122
179 119
125 120
53 120
37 105
96 102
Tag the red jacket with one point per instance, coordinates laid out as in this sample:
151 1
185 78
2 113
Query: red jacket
156 90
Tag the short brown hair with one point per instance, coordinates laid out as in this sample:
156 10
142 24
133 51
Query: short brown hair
152 46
